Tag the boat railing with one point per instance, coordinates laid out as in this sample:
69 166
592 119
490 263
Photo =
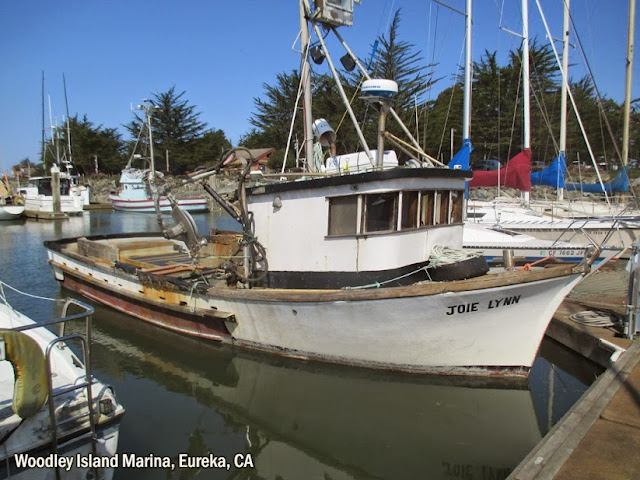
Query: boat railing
61 342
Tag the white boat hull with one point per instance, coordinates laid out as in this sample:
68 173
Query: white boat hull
29 440
610 232
11 212
69 204
147 206
467 326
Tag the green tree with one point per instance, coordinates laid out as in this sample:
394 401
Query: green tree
175 127
89 143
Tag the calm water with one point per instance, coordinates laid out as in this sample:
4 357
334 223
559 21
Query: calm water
296 420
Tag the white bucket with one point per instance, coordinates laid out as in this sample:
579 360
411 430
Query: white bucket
321 127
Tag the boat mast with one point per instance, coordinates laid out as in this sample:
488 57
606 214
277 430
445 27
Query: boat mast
44 160
627 91
147 109
305 77
526 133
66 102
563 91
466 114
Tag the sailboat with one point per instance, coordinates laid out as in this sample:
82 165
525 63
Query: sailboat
494 239
57 195
541 219
135 192
357 268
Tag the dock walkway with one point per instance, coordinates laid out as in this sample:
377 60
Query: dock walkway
599 437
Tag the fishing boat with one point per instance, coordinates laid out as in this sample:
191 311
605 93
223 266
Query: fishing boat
134 195
54 415
11 204
135 190
359 268
40 201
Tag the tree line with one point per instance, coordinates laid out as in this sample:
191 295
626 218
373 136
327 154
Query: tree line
496 115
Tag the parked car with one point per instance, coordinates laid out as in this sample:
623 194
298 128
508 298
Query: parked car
486 165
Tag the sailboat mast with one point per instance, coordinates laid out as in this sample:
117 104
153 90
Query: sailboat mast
526 133
627 91
466 114
66 102
305 77
563 90
44 159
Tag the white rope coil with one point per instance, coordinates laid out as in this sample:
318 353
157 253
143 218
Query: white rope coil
596 318
443 255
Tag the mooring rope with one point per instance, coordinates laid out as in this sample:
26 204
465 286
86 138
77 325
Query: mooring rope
592 318
3 284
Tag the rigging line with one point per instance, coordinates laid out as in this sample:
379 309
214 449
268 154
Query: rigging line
573 103
595 86
453 89
390 14
427 111
295 108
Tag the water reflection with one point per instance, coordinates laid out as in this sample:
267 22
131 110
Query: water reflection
306 420
297 420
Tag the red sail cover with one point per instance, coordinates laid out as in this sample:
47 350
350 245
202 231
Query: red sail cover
515 174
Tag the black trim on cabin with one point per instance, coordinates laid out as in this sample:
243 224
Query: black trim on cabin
395 277
356 178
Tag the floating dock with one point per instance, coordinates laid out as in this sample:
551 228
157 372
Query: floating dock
98 206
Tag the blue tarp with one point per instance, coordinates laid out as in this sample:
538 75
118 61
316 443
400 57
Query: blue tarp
460 160
553 175
619 184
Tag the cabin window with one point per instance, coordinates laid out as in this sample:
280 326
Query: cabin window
343 215
427 208
409 217
380 212
457 205
393 211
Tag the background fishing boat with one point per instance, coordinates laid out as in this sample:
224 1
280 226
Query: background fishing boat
135 191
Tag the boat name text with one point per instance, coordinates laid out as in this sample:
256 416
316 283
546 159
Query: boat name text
473 307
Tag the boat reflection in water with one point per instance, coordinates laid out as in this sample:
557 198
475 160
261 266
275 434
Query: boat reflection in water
305 420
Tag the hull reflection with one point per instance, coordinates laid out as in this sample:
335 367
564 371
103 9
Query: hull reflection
304 420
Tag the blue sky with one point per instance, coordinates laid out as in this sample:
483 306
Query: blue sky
113 53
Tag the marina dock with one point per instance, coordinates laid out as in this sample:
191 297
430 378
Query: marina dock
599 437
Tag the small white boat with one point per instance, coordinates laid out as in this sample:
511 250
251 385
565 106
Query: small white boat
11 204
39 198
11 212
48 427
134 195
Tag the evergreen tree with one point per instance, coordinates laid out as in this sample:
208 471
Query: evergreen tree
88 144
175 127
